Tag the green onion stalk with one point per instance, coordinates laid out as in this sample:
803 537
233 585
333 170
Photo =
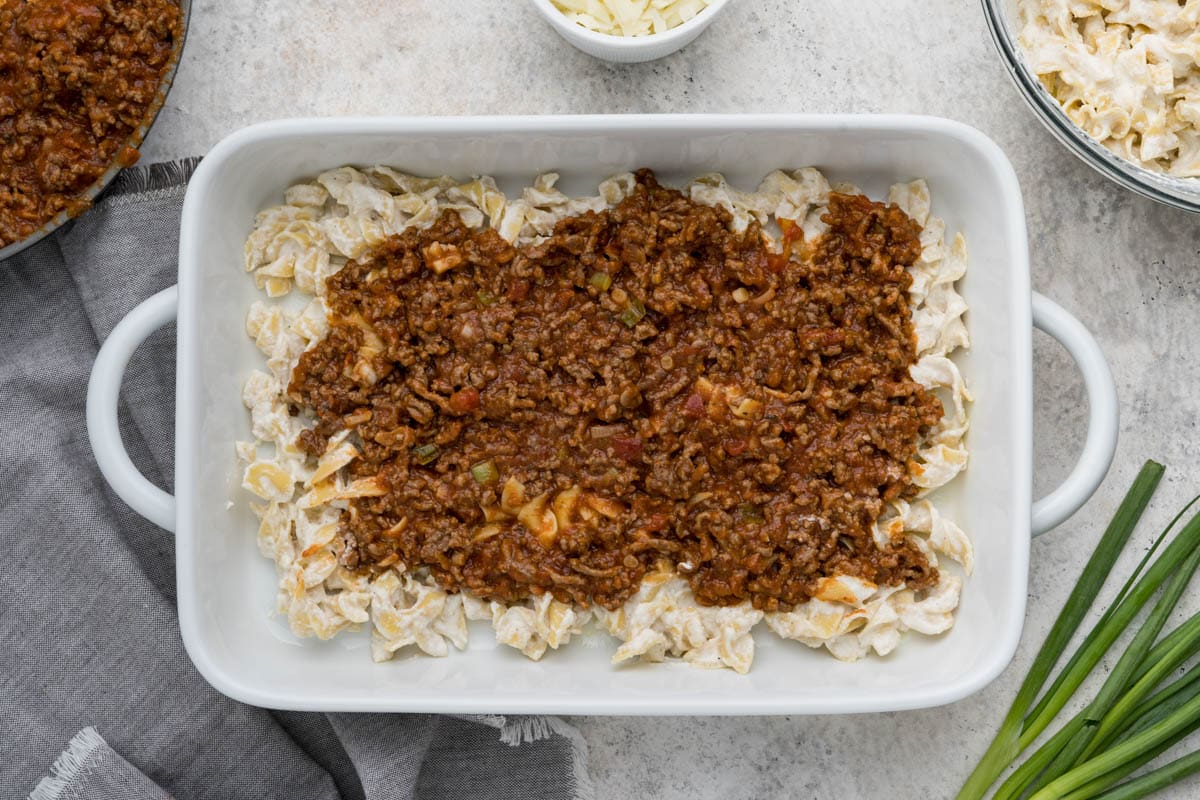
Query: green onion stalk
1009 741
1156 779
1069 750
1183 719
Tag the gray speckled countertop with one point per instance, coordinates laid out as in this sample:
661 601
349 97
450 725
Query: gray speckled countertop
1128 268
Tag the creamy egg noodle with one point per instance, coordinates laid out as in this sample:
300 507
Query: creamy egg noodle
665 416
1125 71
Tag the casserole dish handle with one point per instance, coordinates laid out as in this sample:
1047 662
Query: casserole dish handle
104 389
154 504
1103 416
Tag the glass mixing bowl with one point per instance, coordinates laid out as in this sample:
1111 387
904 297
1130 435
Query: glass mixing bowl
1003 22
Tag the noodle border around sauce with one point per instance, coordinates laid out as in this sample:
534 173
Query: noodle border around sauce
345 213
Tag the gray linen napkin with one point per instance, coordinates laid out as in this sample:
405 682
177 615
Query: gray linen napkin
98 700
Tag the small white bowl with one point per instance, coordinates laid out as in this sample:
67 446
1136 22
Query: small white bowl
628 49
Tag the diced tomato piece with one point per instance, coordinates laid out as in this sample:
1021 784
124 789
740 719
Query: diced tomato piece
519 290
694 407
821 338
792 233
464 400
657 522
628 448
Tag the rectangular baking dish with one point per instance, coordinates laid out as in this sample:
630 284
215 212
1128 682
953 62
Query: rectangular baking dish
226 588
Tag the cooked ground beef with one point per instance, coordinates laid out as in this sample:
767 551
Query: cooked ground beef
646 384
77 78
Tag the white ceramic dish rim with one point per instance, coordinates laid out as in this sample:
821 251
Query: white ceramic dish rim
178 514
629 44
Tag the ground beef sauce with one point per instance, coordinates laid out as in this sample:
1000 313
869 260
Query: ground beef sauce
77 78
645 385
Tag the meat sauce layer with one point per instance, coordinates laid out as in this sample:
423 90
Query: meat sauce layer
646 384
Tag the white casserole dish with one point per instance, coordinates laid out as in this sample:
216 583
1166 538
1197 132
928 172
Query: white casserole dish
225 588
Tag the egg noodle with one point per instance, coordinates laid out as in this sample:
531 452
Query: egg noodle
1125 71
344 214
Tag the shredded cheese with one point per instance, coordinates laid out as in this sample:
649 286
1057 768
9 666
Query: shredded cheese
630 17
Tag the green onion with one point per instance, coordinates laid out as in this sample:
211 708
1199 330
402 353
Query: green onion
1080 745
1153 711
1097 785
1157 707
485 472
1036 764
1006 744
426 453
633 314
1152 781
601 280
1162 706
1178 551
1145 685
1134 718
1112 606
1127 751
751 513
486 298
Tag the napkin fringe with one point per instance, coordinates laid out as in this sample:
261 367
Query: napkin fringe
152 177
519 730
584 790
69 765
